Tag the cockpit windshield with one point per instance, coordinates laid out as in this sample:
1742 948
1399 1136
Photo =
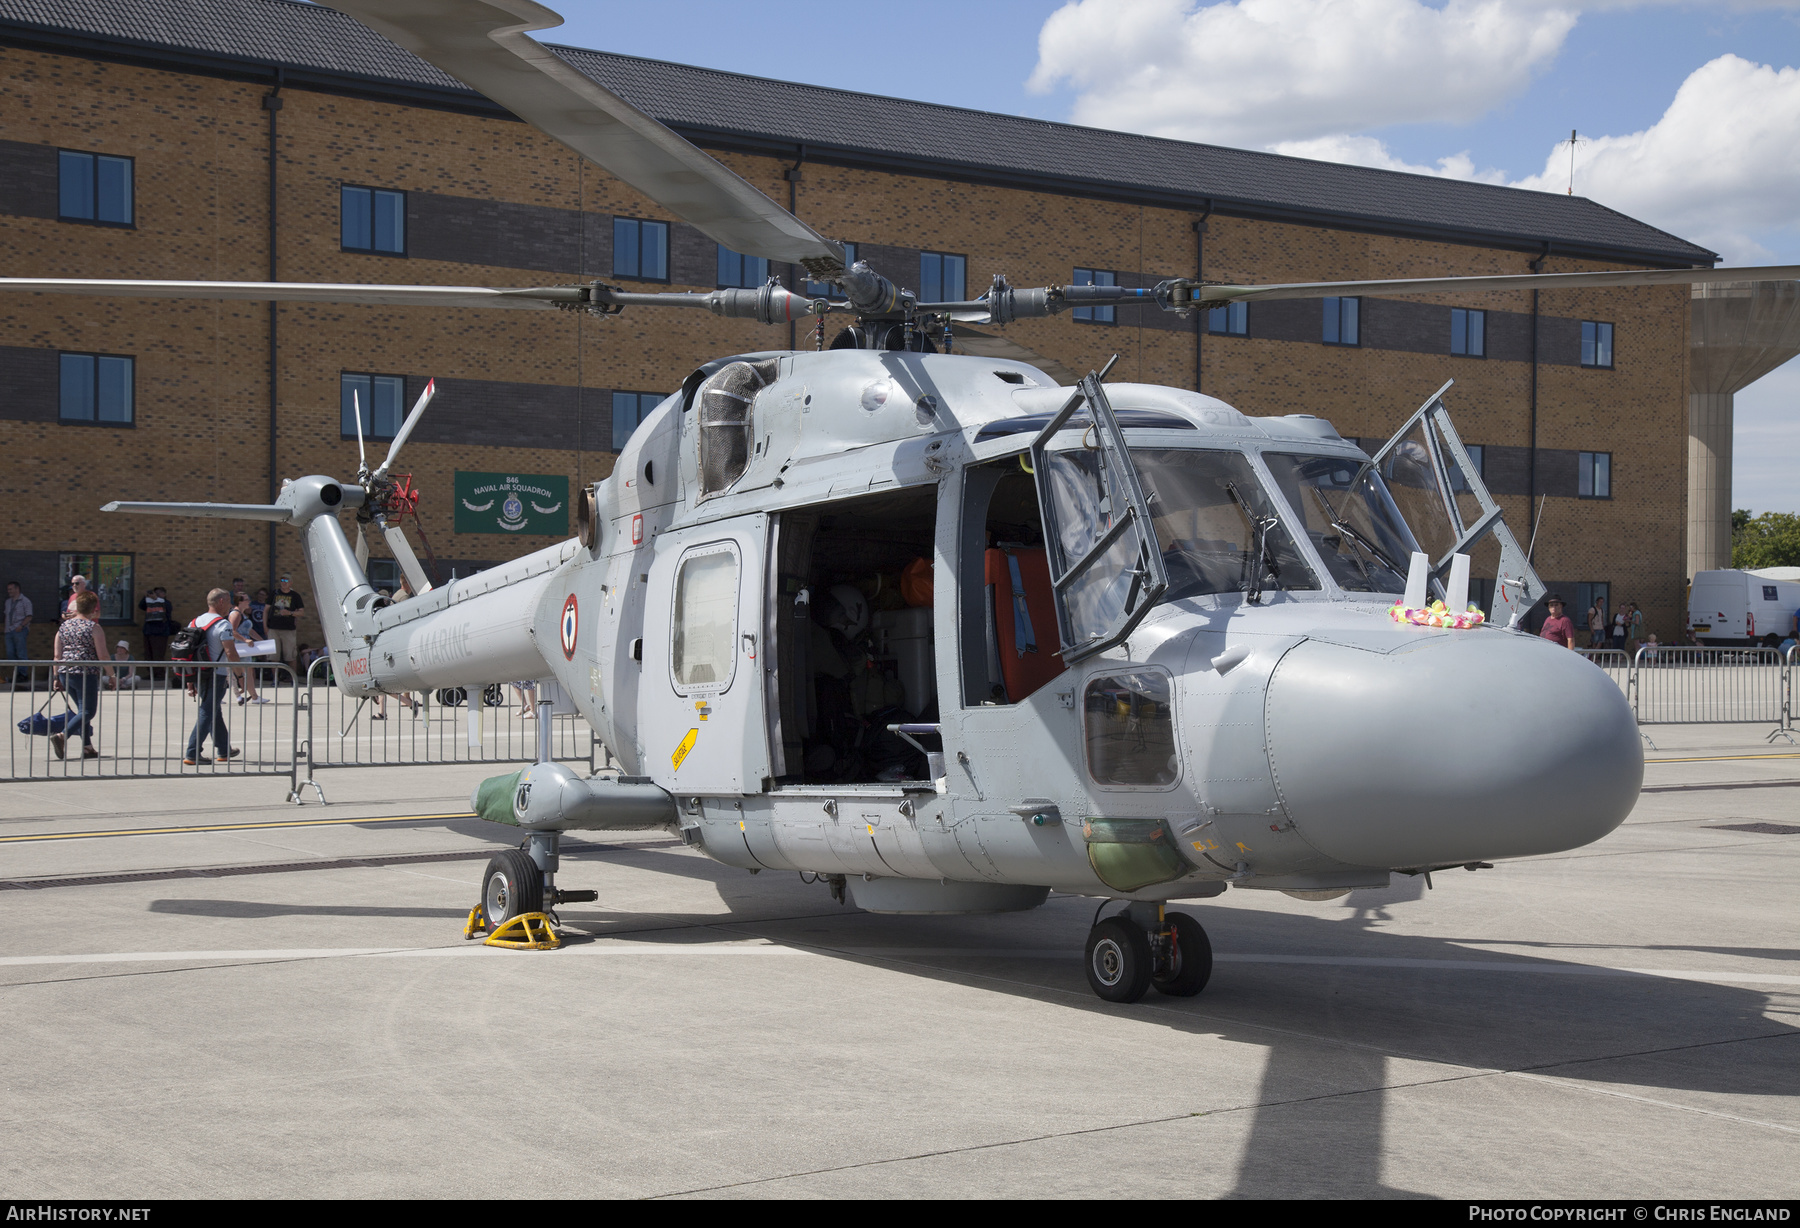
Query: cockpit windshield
1354 524
1215 525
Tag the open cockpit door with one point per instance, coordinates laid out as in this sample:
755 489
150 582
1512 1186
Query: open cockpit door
1437 486
1105 567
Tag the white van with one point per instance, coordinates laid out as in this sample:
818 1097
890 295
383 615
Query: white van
1741 608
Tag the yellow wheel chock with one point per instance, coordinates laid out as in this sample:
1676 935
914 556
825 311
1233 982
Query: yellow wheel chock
530 931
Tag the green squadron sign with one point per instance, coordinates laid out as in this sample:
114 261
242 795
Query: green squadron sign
529 503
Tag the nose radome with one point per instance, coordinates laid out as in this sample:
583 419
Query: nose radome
1461 747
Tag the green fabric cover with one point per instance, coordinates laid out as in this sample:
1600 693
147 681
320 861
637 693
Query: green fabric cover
1128 854
494 799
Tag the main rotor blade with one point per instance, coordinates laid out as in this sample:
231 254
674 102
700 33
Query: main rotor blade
209 511
987 345
483 44
540 298
412 420
1510 281
362 548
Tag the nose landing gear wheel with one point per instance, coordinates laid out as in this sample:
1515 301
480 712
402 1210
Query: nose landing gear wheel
511 886
1118 960
1188 965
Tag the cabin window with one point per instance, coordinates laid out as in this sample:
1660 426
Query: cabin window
1129 722
702 652
1350 517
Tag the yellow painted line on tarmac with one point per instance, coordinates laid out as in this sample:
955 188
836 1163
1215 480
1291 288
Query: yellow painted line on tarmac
176 831
1726 758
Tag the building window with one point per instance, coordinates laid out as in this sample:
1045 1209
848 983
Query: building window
1231 320
1594 475
1094 277
1458 483
629 409
640 249
108 577
374 220
94 188
1468 332
825 289
740 271
1596 344
941 277
1340 321
96 388
381 399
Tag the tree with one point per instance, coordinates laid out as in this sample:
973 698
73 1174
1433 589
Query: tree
1769 540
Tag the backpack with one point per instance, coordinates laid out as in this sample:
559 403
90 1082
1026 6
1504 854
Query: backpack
189 644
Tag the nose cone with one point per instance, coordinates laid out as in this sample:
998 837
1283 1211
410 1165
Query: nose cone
1461 746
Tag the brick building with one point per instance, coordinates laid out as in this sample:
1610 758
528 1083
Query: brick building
269 140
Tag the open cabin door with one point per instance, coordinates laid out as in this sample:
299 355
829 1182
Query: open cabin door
1105 567
702 725
1437 486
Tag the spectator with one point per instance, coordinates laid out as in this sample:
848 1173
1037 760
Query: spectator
1618 629
1637 626
1596 622
18 627
1558 628
1651 647
77 586
125 679
244 632
405 697
80 639
210 684
259 608
279 618
159 623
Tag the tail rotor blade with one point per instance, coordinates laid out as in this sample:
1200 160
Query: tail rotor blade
409 562
362 457
406 428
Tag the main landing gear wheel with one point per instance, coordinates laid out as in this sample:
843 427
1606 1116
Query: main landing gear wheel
1187 963
1118 960
512 885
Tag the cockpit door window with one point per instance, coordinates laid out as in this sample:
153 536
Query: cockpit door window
1104 565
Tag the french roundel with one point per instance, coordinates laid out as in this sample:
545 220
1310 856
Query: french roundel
571 623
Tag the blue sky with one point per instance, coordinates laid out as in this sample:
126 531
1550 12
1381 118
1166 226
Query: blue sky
1688 120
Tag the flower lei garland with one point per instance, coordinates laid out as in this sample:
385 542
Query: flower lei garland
1435 615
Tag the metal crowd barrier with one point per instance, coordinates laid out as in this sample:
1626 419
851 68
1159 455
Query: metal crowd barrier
143 717
496 724
1688 685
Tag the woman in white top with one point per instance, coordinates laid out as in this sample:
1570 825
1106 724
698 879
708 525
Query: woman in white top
245 633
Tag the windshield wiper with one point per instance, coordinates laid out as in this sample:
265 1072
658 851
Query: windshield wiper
1356 539
1259 547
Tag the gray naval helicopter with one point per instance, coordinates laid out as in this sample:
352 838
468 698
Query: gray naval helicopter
952 633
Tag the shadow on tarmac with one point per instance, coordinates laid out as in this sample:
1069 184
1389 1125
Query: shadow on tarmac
1338 1036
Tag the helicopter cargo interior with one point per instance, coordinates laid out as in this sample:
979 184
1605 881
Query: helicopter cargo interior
851 622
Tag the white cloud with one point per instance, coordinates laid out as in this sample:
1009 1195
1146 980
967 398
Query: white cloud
1257 72
1367 151
1719 167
